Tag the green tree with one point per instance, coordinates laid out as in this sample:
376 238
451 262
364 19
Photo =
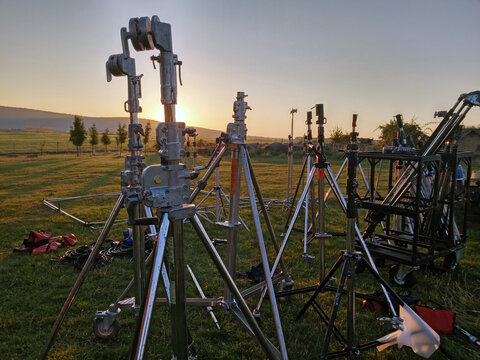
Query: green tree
389 131
121 136
338 136
77 133
105 139
146 137
93 133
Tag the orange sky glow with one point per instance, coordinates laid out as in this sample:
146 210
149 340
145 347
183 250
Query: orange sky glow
374 58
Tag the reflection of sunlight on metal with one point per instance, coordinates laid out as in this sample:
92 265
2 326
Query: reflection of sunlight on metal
92 224
181 115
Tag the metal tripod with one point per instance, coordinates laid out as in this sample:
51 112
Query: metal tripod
313 160
233 299
290 161
118 65
327 172
349 259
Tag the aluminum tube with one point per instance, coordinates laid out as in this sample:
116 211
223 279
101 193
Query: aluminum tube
305 228
403 182
152 288
233 216
200 203
261 202
263 253
153 230
363 177
336 304
178 305
321 226
202 294
217 194
139 259
294 218
443 126
58 209
81 197
81 277
336 178
222 269
207 174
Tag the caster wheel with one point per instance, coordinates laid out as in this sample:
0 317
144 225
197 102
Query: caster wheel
407 282
105 334
450 262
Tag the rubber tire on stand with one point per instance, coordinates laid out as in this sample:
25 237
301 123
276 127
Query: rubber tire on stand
409 279
100 333
450 262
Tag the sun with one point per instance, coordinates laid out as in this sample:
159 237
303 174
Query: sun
181 115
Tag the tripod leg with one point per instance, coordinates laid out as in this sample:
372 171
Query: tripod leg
203 182
147 309
177 307
265 213
363 177
336 304
294 218
166 280
138 258
269 349
320 287
81 277
336 178
217 194
321 223
341 200
292 205
286 236
305 230
263 252
233 216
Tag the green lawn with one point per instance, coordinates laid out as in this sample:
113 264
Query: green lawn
33 288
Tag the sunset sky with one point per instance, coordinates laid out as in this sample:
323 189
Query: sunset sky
374 58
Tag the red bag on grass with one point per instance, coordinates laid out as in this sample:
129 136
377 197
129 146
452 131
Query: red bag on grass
438 319
69 240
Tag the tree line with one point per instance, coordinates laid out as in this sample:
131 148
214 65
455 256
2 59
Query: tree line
78 135
388 132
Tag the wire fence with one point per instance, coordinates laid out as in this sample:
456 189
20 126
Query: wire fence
56 147
29 143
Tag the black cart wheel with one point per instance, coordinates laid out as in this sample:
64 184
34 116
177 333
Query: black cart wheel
407 282
105 334
450 262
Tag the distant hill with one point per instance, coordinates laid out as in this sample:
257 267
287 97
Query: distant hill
12 118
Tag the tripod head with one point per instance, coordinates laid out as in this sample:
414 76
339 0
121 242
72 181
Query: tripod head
308 122
293 111
237 131
321 120
319 112
240 107
353 146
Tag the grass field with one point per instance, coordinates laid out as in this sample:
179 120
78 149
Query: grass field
33 288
